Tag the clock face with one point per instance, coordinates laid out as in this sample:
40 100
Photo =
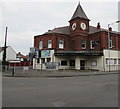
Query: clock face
83 26
73 26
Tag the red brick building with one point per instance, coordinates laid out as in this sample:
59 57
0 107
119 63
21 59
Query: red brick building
79 45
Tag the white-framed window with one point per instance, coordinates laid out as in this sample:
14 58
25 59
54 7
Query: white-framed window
40 44
83 44
48 59
115 61
61 44
92 44
94 63
111 61
49 43
110 42
38 60
118 61
43 60
64 63
107 60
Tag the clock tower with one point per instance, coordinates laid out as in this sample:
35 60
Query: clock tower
79 23
79 30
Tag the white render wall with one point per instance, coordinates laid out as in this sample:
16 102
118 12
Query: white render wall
38 65
59 59
77 59
101 61
10 54
114 54
98 59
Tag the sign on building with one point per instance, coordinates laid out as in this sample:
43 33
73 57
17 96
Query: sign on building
32 50
45 53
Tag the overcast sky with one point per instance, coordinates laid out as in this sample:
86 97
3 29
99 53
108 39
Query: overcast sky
28 18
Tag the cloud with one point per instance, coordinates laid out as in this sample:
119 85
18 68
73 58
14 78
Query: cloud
27 19
119 15
104 12
60 0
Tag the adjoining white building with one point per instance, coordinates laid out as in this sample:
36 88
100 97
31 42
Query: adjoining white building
11 55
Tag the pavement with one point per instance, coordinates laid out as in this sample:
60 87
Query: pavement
54 73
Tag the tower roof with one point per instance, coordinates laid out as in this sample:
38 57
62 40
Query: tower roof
79 12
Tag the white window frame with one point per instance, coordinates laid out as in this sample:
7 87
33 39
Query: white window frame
48 59
110 43
107 62
61 44
40 44
115 61
50 43
118 61
93 63
84 42
91 44
64 63
111 61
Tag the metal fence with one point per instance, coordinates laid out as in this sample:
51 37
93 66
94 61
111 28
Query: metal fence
21 69
17 68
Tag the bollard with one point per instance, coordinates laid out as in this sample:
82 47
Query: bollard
13 71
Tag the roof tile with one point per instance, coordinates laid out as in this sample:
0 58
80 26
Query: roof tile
79 12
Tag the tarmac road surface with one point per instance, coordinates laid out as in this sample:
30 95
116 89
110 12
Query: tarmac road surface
82 91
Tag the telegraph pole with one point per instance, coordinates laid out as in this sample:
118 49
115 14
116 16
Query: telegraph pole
4 52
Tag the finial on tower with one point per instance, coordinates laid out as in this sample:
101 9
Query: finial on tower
79 12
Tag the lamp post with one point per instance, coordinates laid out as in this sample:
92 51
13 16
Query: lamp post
109 40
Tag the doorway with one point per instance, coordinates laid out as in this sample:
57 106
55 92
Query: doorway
82 64
72 63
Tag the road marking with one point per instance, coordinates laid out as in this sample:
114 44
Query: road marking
59 103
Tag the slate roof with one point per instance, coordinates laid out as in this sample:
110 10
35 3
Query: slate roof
60 30
79 12
65 30
19 55
93 29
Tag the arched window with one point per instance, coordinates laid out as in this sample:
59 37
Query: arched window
49 43
41 44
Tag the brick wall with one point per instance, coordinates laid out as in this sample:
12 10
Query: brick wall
74 43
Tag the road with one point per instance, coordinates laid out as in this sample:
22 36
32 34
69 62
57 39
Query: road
83 91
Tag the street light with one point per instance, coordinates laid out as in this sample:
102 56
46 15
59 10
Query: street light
109 39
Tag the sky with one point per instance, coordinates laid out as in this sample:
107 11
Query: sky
27 18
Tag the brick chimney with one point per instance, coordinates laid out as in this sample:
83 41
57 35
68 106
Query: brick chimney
19 53
110 29
98 26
